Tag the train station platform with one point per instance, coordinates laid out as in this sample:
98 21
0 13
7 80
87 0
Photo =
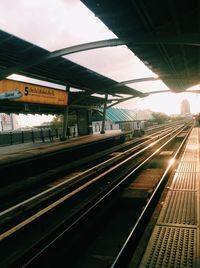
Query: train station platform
16 152
175 240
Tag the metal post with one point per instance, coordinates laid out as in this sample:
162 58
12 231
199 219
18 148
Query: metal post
42 135
104 115
11 138
22 136
33 136
56 130
50 135
65 121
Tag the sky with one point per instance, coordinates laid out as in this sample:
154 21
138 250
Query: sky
55 24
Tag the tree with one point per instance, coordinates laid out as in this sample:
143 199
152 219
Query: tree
160 118
57 121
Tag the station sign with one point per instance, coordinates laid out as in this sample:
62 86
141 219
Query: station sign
29 93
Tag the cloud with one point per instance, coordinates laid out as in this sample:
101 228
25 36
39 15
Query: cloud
118 63
51 23
55 24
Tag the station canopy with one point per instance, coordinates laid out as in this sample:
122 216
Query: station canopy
164 35
21 57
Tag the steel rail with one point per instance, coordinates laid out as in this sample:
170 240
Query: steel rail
132 241
95 205
53 174
92 171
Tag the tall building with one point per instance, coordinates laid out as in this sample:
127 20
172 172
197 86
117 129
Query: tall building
185 107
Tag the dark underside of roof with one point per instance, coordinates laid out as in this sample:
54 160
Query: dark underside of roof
16 107
163 34
15 52
79 101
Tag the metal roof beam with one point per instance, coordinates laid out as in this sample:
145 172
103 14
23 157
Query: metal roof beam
168 91
177 26
62 52
147 79
114 14
120 101
149 39
5 39
190 40
148 24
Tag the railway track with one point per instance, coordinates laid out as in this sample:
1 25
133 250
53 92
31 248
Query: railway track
37 161
16 192
48 222
19 212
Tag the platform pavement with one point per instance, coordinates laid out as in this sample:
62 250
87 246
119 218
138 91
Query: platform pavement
175 240
18 151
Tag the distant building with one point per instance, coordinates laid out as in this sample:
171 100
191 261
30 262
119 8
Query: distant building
185 107
117 118
8 122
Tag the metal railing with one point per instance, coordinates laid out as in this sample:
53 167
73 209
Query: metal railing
40 135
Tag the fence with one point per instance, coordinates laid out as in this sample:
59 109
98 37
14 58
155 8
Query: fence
42 135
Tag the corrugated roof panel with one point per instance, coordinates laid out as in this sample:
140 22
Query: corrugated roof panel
125 115
111 115
24 58
120 115
162 34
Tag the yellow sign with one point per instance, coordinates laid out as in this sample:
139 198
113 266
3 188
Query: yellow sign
24 92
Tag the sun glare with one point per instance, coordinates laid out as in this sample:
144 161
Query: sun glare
170 103
73 23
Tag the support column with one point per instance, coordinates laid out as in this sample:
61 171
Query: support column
104 115
65 119
90 129
12 121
